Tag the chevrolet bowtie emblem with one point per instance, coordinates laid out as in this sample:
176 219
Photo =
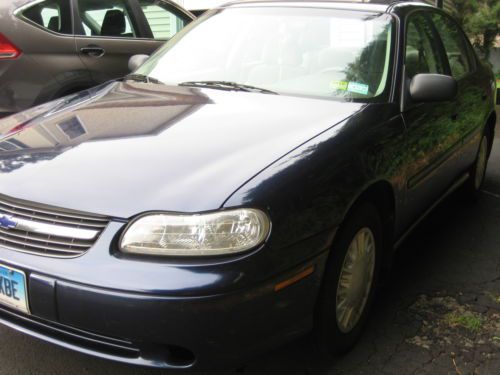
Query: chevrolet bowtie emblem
7 222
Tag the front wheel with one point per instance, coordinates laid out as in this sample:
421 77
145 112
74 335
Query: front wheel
351 274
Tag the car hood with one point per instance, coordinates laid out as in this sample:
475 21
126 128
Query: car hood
126 148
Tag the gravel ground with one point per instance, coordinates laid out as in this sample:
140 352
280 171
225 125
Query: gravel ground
438 313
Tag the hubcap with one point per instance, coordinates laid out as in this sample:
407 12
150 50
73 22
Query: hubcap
481 163
355 282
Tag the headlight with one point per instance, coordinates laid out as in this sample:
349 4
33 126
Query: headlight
225 232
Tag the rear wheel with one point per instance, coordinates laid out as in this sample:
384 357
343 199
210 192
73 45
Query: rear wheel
350 277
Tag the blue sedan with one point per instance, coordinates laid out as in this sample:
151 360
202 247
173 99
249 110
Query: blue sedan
245 185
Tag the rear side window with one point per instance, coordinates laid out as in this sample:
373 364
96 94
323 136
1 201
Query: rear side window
422 53
106 18
164 20
454 45
53 15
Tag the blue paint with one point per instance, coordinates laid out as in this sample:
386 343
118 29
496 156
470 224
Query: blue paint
6 222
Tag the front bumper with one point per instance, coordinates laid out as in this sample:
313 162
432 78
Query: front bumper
153 314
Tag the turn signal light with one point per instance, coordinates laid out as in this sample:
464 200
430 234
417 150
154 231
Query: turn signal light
7 49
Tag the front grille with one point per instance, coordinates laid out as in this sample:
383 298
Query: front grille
52 232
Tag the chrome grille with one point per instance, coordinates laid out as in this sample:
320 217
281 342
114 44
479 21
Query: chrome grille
47 231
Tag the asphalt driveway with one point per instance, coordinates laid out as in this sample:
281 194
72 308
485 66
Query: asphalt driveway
439 312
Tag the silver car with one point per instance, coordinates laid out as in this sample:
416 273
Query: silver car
51 48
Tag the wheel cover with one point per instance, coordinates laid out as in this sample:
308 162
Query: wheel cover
482 158
355 281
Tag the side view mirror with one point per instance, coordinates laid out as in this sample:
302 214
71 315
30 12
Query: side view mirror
136 61
433 88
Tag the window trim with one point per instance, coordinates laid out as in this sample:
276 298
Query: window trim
397 66
18 13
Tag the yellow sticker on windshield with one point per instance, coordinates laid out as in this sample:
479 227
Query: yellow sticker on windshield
339 85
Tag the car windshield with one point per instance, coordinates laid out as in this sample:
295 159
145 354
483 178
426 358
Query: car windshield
301 51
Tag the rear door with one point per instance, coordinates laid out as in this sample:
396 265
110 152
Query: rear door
109 32
49 66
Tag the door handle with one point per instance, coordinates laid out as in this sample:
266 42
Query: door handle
93 51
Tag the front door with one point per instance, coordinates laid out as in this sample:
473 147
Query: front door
431 127
108 33
472 107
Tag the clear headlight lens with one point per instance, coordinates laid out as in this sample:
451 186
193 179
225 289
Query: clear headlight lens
224 232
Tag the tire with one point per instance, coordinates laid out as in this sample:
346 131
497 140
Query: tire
334 333
475 182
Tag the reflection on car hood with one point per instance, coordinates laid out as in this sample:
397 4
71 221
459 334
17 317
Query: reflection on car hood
126 147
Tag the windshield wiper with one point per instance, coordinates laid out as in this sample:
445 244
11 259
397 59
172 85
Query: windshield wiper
226 85
141 78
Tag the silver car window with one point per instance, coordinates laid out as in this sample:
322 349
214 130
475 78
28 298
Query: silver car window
106 18
163 21
52 15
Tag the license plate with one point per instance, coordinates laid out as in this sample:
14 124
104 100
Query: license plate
13 291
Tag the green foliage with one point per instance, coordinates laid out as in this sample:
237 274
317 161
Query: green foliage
481 21
468 320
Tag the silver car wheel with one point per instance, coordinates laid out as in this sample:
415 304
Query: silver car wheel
355 281
482 158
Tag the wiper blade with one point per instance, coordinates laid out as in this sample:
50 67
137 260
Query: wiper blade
226 85
141 78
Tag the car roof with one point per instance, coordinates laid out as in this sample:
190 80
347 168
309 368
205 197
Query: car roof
368 5
202 4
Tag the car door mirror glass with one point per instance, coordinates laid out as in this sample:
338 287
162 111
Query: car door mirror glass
136 61
433 88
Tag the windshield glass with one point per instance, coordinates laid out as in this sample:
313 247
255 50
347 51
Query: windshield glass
298 51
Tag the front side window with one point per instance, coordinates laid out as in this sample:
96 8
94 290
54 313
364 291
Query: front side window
422 52
325 53
164 21
106 18
454 45
53 15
